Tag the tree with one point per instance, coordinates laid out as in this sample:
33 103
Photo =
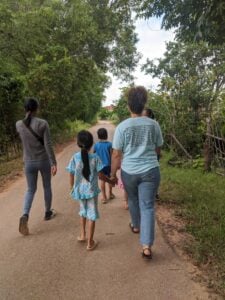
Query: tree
192 80
193 20
121 109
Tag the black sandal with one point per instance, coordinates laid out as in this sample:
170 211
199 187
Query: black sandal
132 229
147 256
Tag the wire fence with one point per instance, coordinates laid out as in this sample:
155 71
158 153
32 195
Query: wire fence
217 147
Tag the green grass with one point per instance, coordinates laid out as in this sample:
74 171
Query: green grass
200 198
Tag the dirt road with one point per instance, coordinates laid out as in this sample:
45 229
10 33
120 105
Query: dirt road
50 264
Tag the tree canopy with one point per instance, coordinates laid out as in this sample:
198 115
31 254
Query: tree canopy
193 20
60 52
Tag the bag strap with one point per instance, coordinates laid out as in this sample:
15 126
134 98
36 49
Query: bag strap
38 137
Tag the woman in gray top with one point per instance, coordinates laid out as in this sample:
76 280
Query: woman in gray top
38 155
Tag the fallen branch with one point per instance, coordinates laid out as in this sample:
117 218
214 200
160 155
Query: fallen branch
175 163
215 137
180 145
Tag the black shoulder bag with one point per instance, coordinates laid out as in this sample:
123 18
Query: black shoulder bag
38 137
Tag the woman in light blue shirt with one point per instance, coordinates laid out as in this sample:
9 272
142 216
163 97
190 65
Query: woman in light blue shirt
134 148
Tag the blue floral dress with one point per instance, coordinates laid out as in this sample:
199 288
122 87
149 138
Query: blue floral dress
82 188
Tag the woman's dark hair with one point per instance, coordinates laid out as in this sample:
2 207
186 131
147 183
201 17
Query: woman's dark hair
149 113
102 134
137 98
31 105
85 142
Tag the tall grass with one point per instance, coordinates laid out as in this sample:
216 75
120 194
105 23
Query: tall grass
201 201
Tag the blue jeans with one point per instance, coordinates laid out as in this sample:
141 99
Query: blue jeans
31 171
141 190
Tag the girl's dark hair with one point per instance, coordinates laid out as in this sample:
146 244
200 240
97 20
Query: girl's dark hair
137 98
102 134
85 142
30 105
150 113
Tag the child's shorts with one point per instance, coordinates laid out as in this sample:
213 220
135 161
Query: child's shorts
89 209
107 170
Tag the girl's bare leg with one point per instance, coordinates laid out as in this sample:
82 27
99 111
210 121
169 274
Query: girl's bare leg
83 228
91 231
104 198
111 195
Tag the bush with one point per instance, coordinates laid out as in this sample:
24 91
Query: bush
105 114
11 91
69 131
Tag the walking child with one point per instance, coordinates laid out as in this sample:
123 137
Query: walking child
85 168
103 148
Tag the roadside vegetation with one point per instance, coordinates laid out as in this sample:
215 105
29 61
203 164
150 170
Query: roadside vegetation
198 198
105 114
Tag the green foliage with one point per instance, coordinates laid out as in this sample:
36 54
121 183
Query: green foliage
121 109
70 130
200 198
105 114
10 108
198 163
192 84
193 20
61 51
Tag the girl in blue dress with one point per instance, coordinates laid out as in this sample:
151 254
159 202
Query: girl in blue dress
85 168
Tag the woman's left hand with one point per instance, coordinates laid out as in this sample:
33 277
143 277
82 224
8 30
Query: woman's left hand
54 170
114 179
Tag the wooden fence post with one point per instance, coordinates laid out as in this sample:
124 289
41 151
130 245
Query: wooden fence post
207 147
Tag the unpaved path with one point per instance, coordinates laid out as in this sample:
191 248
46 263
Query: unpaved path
50 264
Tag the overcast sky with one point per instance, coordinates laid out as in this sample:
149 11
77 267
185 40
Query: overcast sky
152 44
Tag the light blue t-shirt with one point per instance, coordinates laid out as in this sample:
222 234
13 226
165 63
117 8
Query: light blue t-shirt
138 139
82 188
